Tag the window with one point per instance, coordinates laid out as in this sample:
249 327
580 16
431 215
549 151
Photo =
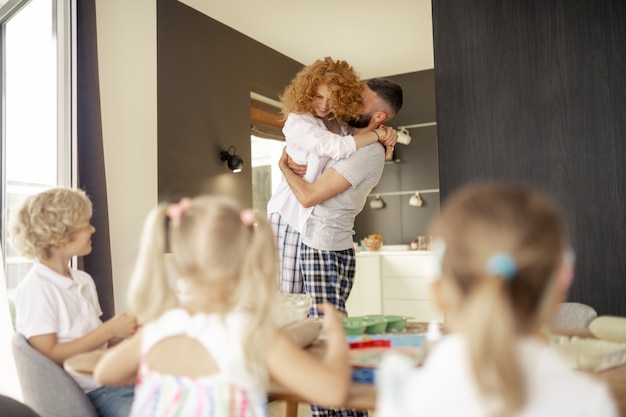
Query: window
36 136
265 172
267 143
35 132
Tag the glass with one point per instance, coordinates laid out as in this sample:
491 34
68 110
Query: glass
266 176
36 139
423 242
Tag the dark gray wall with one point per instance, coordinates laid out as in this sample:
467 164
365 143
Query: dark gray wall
205 72
417 168
535 92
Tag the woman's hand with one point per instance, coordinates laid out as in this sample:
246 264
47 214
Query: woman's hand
391 136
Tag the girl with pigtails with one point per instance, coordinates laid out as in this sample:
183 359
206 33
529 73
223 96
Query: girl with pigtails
505 265
214 352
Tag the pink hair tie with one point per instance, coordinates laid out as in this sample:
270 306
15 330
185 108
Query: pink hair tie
247 217
176 210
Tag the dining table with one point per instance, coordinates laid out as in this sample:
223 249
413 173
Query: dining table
614 377
362 396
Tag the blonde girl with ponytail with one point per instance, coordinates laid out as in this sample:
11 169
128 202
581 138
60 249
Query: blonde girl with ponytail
213 351
505 264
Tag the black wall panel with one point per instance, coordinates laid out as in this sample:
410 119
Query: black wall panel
533 92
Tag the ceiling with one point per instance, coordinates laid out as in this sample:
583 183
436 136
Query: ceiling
378 38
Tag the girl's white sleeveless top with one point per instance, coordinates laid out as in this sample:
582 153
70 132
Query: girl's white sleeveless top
230 392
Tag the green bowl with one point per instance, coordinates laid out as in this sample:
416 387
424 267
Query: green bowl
396 323
375 324
354 326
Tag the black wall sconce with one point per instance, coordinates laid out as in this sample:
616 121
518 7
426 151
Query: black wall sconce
233 160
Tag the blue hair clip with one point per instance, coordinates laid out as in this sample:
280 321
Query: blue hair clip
502 264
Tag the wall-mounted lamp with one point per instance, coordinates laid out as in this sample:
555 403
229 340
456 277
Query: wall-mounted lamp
416 200
233 160
377 203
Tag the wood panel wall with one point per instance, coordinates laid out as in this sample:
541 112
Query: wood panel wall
535 92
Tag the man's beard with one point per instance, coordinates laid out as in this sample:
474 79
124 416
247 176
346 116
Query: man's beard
363 121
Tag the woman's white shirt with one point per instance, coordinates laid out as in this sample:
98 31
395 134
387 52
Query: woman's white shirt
309 142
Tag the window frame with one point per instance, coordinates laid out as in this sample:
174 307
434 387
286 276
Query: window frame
64 35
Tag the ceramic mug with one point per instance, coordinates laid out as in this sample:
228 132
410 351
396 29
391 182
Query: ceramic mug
423 242
377 203
416 200
403 136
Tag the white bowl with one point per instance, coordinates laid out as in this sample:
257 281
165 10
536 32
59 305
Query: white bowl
293 308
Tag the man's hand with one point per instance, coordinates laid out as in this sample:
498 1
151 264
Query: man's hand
298 169
329 184
286 162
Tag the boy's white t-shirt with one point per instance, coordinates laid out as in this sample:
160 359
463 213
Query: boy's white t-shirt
444 386
47 302
309 142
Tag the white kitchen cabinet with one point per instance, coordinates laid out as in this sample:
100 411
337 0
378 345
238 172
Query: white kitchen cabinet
406 285
365 297
396 283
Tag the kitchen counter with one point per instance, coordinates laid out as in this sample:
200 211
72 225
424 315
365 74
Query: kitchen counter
390 249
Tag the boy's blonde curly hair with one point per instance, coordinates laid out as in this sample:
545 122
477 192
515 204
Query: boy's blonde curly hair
340 78
48 218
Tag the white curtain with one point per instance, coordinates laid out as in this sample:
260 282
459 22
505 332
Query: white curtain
9 384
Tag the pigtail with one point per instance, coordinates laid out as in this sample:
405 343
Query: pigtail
257 290
488 316
149 292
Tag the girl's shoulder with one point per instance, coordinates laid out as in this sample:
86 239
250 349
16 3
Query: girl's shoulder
180 320
219 333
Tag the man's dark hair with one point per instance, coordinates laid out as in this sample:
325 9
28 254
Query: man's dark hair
389 91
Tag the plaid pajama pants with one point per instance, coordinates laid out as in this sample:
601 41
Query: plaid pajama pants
328 276
288 245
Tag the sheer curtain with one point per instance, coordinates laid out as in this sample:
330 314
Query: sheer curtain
9 384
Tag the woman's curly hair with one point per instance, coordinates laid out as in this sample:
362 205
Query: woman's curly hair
340 78
48 218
